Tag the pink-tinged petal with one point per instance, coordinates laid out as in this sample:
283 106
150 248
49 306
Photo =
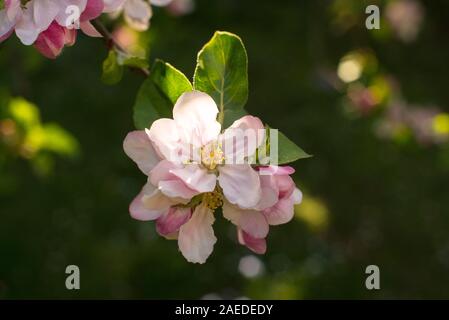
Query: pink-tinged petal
112 5
282 212
242 138
170 222
258 246
176 189
6 35
138 14
94 8
196 238
51 42
195 114
13 9
160 3
196 178
165 137
139 212
168 183
251 221
276 170
45 11
138 147
240 184
70 37
162 171
270 192
286 186
89 30
154 199
26 29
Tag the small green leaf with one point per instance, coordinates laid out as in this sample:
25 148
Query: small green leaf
112 71
222 72
159 93
288 151
135 62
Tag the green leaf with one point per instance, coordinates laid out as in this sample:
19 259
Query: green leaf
159 93
135 62
288 151
112 71
222 72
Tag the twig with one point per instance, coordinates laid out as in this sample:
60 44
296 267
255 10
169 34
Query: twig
112 43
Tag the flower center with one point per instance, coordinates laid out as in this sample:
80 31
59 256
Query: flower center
212 155
213 200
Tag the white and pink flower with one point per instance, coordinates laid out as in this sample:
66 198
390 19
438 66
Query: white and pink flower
193 169
48 24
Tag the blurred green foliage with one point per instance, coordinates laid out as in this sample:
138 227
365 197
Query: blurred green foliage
368 200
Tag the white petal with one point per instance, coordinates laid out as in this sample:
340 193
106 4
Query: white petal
70 12
196 178
138 147
297 196
240 184
138 14
164 135
5 24
251 221
242 138
195 114
196 238
112 5
146 206
26 29
168 183
45 11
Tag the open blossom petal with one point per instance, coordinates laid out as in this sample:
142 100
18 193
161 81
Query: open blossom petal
240 184
196 178
138 14
195 114
6 26
270 192
149 204
44 12
288 195
196 238
26 29
251 221
138 147
170 222
169 183
242 139
258 246
65 15
94 8
8 18
164 134
112 5
89 30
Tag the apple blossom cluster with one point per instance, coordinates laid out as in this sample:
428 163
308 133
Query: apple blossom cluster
50 25
194 168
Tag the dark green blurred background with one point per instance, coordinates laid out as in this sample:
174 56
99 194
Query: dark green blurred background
372 195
